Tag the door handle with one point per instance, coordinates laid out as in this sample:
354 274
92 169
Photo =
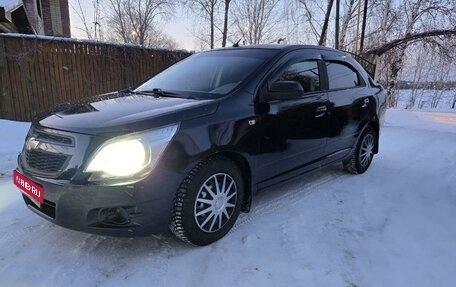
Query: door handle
321 111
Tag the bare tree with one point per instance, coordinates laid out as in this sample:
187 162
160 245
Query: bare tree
225 21
402 24
311 10
442 74
90 26
134 21
348 16
208 10
161 40
317 14
256 20
324 30
420 71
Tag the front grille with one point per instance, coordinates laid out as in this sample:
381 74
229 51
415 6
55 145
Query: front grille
47 152
47 208
53 138
45 162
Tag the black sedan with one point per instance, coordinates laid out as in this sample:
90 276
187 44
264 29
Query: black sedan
189 148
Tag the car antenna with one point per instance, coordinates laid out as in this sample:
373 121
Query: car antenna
237 43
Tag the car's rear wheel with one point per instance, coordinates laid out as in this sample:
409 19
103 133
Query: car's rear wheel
363 154
208 201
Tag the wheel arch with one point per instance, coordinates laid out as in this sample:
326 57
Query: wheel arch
243 164
375 125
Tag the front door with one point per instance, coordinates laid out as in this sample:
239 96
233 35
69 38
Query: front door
293 132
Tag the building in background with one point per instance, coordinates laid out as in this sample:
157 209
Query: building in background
42 17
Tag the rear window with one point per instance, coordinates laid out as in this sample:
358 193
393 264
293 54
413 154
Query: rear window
342 76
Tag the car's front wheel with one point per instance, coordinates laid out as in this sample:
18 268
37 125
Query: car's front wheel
363 154
208 201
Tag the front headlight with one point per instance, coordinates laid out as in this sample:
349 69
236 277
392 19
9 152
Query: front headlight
130 155
122 158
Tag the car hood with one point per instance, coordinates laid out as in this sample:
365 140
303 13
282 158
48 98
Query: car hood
120 113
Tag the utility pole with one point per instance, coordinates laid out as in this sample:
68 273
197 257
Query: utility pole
363 30
337 24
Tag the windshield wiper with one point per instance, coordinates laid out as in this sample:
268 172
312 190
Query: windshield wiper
156 92
147 93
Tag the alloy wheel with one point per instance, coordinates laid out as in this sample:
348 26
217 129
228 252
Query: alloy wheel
215 202
367 150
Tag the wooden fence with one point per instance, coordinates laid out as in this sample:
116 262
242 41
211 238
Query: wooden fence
37 73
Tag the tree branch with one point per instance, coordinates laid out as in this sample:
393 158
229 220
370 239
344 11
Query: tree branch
378 51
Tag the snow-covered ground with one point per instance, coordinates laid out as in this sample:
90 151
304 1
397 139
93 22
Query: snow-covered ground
12 135
427 99
395 225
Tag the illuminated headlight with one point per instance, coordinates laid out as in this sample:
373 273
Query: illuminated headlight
122 158
130 155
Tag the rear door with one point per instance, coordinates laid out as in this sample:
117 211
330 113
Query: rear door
349 98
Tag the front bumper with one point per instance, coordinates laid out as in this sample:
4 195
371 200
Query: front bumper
139 209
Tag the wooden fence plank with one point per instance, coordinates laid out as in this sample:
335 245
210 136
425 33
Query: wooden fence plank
6 108
43 78
17 93
40 78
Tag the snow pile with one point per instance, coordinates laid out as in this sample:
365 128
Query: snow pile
392 226
12 135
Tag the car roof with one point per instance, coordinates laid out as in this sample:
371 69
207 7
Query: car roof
283 47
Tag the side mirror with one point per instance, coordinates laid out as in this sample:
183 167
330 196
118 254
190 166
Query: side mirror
285 90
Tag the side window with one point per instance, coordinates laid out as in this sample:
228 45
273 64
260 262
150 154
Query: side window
341 76
306 73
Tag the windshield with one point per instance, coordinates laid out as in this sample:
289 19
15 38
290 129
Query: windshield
209 74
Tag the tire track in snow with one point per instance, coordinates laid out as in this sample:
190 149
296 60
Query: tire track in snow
276 198
161 260
16 235
117 260
291 242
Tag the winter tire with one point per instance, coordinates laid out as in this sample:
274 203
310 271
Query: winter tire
208 201
363 154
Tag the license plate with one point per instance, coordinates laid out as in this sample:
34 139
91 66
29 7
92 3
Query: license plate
30 188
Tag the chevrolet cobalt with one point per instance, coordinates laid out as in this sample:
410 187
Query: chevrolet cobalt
189 148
